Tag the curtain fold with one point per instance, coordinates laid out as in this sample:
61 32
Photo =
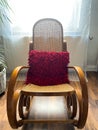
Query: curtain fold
85 27
78 45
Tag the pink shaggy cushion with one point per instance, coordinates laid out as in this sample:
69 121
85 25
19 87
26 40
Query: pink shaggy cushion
47 68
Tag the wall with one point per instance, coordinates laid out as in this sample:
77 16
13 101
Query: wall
93 44
77 51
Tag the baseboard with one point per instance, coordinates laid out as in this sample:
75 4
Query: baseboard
92 68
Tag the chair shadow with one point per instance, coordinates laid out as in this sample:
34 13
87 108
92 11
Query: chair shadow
48 126
48 108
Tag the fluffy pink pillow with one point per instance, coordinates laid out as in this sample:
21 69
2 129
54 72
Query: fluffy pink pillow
47 68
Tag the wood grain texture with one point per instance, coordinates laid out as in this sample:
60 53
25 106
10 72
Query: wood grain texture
54 107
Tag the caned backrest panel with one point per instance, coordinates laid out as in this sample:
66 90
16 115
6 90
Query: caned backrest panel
48 35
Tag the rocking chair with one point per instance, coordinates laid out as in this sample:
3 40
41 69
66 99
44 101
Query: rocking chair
47 42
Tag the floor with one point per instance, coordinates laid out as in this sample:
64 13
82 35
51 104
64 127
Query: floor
54 107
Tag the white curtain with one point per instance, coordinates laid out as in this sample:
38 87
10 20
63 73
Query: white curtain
73 14
27 12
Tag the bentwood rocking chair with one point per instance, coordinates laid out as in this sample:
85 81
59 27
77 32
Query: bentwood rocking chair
48 54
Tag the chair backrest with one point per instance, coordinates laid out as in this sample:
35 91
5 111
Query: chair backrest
48 35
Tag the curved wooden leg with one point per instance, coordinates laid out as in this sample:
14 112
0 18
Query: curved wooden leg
13 96
24 105
82 110
12 109
20 106
72 105
82 97
28 99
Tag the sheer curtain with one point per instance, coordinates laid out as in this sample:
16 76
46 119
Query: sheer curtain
73 14
27 12
85 19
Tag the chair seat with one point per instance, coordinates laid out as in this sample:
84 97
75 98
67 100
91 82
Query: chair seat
54 90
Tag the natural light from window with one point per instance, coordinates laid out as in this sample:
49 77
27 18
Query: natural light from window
27 12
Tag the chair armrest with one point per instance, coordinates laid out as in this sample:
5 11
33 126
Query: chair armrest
82 94
13 78
12 97
82 80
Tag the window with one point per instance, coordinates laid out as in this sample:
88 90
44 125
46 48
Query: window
27 12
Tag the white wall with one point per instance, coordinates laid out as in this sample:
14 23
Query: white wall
93 44
77 51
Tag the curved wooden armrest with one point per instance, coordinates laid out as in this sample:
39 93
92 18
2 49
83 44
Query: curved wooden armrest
12 97
12 81
82 80
14 76
83 94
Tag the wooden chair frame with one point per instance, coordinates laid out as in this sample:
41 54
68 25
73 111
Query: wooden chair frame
13 96
21 97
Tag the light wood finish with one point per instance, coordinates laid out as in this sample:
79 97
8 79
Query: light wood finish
48 36
54 107
13 95
55 90
22 96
